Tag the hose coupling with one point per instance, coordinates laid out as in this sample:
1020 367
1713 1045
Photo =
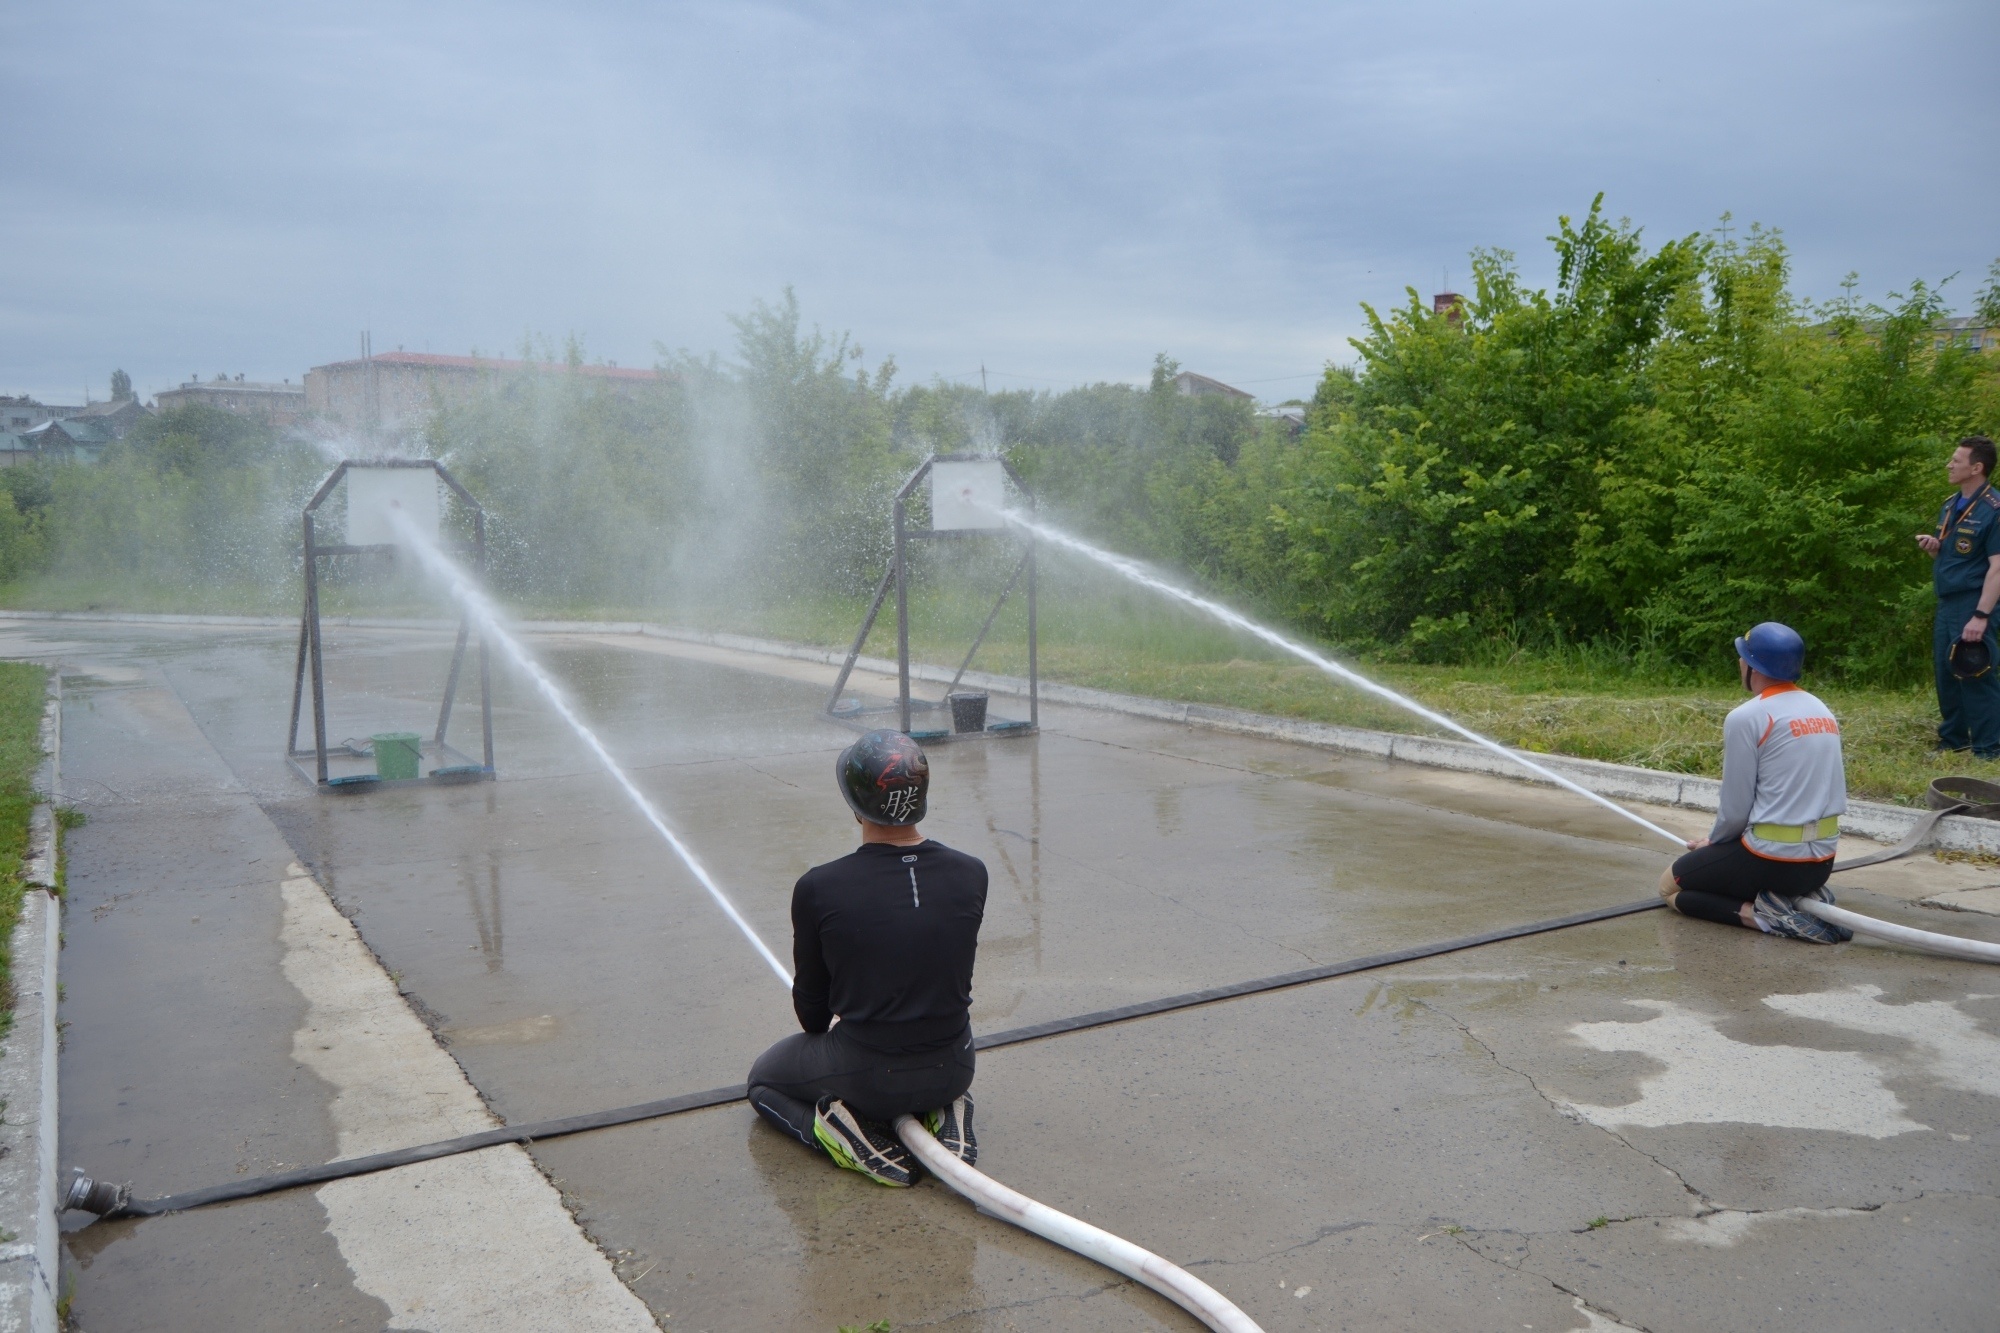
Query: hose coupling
102 1197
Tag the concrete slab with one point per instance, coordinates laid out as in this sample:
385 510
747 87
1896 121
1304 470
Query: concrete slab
1424 1148
198 1047
1984 900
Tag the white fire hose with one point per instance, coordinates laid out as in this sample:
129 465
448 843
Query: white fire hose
1951 946
1121 1256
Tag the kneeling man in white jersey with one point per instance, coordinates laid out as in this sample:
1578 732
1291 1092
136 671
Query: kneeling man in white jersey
1784 788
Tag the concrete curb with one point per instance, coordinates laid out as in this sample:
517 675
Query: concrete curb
30 1264
1869 819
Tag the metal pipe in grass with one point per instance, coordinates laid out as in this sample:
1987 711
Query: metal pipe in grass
1099 1246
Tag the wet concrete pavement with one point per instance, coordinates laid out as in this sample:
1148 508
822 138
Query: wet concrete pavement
1425 1147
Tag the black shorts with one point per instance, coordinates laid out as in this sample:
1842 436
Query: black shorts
789 1078
1732 871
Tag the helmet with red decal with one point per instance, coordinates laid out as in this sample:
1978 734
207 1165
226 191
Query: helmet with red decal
885 778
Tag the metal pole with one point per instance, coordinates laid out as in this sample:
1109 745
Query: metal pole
318 667
867 624
1034 666
902 622
485 665
992 615
298 689
451 681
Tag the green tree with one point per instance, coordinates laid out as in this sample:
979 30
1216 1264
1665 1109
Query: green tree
1447 487
1666 448
1817 441
1989 297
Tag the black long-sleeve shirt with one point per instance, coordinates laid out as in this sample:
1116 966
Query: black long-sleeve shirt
885 938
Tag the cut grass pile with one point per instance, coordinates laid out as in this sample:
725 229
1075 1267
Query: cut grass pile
23 687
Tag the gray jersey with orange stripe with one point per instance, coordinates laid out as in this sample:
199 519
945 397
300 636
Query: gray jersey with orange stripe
1781 764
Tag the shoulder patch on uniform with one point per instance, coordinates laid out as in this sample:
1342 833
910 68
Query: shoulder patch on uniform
1992 500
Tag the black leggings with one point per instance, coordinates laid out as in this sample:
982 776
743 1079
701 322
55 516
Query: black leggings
788 1080
1718 879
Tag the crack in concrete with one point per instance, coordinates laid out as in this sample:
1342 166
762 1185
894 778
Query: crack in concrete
1523 1266
1705 1204
1338 1228
1521 1269
1026 1304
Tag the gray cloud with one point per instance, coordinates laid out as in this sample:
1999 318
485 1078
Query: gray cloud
1057 191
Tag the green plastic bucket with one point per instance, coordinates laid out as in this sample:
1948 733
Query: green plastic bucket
397 755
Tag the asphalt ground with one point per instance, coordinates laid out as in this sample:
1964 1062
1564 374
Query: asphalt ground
1651 1122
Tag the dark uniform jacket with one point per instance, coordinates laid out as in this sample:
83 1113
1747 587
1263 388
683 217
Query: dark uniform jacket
1968 534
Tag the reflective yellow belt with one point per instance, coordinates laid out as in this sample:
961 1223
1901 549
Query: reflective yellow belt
1815 832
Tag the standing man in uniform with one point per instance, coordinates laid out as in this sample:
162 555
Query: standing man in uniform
883 942
1784 788
1965 571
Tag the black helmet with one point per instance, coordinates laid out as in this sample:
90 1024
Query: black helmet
884 777
1970 659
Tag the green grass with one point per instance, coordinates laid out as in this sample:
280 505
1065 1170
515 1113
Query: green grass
1581 703
53 593
1587 704
1097 632
23 687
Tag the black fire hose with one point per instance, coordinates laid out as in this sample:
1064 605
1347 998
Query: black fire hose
111 1200
1947 796
1975 798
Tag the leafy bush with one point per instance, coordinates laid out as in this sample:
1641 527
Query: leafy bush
192 501
1662 451
1636 464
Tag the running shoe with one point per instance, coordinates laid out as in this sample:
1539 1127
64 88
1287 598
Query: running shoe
1824 894
1780 916
952 1128
862 1145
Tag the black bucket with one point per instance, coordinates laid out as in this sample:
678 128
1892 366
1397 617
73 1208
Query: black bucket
968 712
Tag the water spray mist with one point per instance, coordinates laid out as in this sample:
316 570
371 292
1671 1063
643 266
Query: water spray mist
493 625
1138 573
1950 945
1114 1252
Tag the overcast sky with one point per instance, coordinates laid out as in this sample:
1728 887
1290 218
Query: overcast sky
1056 191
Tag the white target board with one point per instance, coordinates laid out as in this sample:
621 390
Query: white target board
378 496
968 495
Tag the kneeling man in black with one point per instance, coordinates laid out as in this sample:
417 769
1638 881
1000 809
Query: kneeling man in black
882 948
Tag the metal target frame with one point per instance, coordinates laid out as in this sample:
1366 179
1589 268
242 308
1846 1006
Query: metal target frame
454 765
896 576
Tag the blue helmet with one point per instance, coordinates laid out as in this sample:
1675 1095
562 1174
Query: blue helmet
1774 649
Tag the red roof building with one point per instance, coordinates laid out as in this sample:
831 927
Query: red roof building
391 392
